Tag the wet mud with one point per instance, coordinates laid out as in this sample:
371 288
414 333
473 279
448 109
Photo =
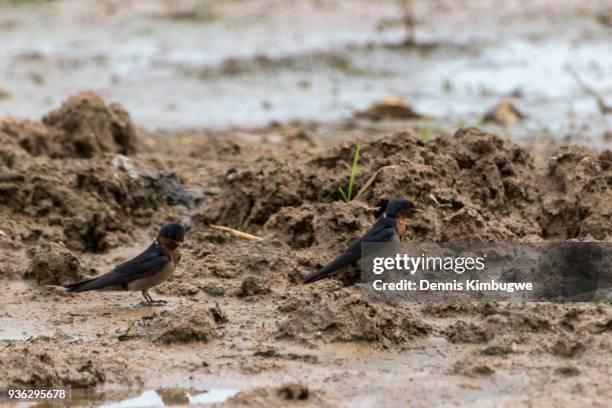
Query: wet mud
237 316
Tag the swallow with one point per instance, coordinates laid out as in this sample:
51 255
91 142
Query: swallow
150 268
390 226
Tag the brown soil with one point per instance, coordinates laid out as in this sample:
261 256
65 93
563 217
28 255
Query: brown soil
52 263
238 316
345 316
180 325
296 394
40 363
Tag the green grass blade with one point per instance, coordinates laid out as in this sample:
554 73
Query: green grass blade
344 197
426 135
353 173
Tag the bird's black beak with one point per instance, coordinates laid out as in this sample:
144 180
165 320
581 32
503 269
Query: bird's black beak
177 243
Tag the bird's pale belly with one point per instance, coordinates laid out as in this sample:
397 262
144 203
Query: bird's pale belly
149 282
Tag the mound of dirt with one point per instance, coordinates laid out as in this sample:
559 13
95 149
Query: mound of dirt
320 224
577 200
48 365
183 324
252 195
472 186
90 205
345 316
295 394
51 263
392 107
84 126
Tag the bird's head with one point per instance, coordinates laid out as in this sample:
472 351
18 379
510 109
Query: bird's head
172 234
400 207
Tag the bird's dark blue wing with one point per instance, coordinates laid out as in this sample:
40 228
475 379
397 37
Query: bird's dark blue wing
144 265
147 263
382 231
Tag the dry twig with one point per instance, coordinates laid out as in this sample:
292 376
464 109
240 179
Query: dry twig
236 233
603 107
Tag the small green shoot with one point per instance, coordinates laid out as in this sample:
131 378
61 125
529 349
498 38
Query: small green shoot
426 134
464 125
129 328
126 335
438 203
348 195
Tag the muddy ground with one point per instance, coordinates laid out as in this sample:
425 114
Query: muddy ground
185 64
83 189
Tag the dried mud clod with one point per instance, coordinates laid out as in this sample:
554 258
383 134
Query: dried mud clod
183 324
567 371
252 286
295 394
567 347
48 365
88 127
392 107
472 369
497 350
51 263
504 113
346 316
462 332
84 126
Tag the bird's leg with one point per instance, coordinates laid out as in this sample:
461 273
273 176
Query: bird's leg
151 301
146 296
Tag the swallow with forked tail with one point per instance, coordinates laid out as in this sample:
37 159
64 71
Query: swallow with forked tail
150 268
390 226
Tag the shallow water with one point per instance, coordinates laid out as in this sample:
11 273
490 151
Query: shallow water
196 66
152 398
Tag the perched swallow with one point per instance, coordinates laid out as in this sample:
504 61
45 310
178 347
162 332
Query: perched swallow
148 269
390 226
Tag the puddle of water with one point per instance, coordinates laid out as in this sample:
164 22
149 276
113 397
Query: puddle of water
148 399
213 395
135 60
167 397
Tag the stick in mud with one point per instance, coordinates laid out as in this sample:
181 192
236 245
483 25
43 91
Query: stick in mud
601 103
236 233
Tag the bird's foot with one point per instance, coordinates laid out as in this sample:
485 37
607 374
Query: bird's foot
137 305
159 302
